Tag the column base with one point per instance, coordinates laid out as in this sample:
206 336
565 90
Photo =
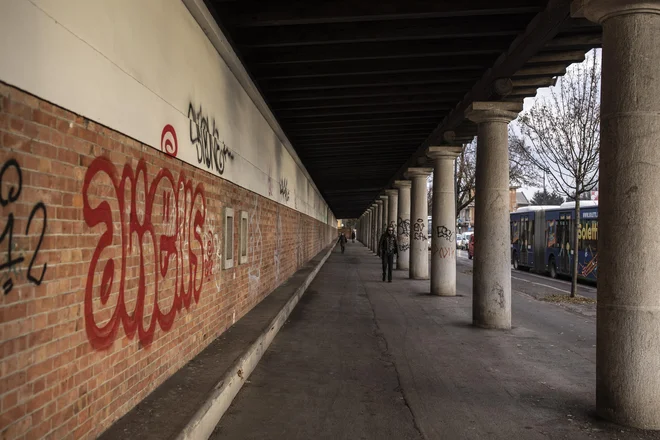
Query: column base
449 294
491 326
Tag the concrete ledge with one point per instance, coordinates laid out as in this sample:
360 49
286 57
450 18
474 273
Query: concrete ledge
190 403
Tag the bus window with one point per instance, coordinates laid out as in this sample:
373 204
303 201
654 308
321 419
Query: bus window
551 233
515 232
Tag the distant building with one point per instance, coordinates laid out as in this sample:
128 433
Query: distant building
517 199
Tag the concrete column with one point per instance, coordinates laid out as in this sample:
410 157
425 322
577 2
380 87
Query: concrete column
367 228
403 225
443 244
393 196
386 211
379 225
419 249
491 285
628 316
374 227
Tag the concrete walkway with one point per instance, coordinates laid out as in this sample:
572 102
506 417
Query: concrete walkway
362 359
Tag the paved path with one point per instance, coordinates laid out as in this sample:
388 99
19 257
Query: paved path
363 359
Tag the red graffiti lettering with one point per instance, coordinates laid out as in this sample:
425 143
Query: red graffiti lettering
445 252
182 207
168 142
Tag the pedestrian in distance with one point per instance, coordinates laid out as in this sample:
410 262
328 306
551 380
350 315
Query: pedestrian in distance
353 236
387 249
342 241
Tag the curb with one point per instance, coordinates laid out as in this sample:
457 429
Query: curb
206 418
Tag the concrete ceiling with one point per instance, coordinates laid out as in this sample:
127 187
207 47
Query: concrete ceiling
361 87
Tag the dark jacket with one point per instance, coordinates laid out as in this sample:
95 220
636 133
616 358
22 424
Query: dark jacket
387 245
342 239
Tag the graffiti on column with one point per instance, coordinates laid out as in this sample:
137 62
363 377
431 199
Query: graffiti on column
15 266
403 231
158 223
444 232
445 252
211 151
419 230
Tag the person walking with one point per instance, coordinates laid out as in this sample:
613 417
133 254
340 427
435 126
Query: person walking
353 236
388 247
342 241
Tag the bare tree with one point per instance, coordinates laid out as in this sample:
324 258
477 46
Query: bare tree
562 137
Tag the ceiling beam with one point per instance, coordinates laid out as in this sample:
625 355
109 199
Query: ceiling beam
455 89
367 81
388 50
580 40
372 101
362 110
387 118
427 29
340 136
366 127
298 12
370 67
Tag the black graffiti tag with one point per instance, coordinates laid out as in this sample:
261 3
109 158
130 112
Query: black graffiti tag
211 151
444 232
284 189
10 269
419 230
403 227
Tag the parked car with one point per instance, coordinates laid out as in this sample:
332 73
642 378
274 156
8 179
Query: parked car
459 241
466 239
471 247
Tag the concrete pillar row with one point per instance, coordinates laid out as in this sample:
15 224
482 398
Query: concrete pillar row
491 291
403 224
443 241
419 250
393 204
628 315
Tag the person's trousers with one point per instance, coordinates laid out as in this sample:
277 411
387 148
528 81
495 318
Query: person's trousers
388 262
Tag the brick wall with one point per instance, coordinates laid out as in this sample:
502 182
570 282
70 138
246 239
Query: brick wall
111 267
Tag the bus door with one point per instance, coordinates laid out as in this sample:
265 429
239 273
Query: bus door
564 228
527 241
524 240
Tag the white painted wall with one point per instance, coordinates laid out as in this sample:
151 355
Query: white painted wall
136 66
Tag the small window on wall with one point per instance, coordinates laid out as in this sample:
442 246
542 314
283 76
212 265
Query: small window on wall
243 238
229 239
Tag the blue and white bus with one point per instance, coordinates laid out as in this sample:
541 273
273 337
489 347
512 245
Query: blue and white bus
541 239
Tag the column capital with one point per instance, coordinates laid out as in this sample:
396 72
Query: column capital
444 152
402 184
418 172
379 202
493 111
392 192
384 197
599 11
